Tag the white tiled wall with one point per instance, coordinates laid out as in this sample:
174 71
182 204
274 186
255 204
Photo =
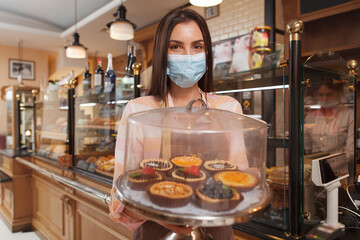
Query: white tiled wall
236 17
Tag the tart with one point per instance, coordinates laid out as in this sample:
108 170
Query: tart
158 164
187 161
170 194
191 175
217 197
140 179
219 165
236 179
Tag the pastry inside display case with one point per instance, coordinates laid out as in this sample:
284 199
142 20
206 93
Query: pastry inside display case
194 162
95 133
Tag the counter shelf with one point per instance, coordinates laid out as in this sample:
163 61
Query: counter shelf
200 217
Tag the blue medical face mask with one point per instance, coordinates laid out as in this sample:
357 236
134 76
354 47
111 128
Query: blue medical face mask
186 70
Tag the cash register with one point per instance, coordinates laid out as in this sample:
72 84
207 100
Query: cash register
327 172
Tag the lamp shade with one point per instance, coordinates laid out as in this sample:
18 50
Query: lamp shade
75 52
75 49
205 3
122 30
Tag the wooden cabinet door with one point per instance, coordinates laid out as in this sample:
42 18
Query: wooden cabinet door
93 223
52 209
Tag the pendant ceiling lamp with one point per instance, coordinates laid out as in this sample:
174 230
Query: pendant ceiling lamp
205 3
121 28
75 49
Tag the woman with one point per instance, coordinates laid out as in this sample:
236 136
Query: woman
330 129
182 71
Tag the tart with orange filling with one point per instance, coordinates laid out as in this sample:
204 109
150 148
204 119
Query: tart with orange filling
236 179
187 161
140 179
169 194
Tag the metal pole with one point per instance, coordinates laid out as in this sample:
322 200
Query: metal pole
353 66
137 86
295 28
33 138
17 121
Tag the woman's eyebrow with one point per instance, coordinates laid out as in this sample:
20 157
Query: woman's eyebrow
198 41
176 41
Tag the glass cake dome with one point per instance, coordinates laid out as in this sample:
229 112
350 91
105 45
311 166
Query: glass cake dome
194 162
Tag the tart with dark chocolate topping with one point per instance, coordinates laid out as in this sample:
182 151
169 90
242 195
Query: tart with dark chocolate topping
170 194
157 164
217 197
140 179
214 166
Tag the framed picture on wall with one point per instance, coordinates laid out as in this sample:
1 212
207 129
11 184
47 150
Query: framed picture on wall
25 68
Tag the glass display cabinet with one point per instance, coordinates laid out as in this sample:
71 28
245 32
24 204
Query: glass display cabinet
96 119
51 124
20 117
317 96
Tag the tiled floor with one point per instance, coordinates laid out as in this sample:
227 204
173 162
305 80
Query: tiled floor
5 234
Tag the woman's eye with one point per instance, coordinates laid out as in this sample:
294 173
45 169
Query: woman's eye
174 47
199 47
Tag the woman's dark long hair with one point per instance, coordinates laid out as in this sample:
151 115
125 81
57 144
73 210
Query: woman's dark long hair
160 83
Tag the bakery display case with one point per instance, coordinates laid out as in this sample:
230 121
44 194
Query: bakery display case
262 93
20 117
96 119
51 122
194 165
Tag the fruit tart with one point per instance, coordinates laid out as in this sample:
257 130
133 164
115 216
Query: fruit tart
170 194
214 166
158 164
217 197
191 175
140 179
187 161
238 180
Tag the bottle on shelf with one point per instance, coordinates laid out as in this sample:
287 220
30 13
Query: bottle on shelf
110 76
87 81
131 58
98 78
128 60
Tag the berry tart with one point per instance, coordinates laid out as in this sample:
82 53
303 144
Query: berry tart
191 175
170 194
217 197
187 161
214 166
158 164
238 180
140 179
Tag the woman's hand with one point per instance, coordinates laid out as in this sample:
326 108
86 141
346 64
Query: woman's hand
176 228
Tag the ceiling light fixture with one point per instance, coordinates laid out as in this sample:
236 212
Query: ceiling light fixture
205 3
121 28
75 49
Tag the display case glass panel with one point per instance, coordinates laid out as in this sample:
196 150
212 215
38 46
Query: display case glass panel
328 123
52 122
262 93
96 119
20 117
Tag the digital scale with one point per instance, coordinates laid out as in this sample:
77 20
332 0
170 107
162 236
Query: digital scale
327 172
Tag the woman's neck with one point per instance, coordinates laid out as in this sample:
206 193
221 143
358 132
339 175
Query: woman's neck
182 96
